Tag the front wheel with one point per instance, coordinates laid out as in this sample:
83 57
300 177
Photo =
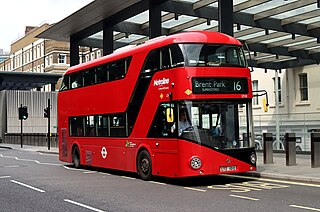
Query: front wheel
144 165
76 157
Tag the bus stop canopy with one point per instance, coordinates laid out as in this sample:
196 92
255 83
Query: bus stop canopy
278 33
10 80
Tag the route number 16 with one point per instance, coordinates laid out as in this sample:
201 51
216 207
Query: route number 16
237 86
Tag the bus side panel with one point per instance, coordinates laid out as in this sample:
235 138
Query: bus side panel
104 152
64 143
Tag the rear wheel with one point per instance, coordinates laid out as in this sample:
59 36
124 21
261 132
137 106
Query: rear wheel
144 165
76 157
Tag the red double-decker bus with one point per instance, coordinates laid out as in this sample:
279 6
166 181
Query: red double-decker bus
175 106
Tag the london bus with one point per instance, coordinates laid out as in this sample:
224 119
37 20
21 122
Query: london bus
122 111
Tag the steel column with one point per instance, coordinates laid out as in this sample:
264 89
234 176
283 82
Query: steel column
225 10
74 51
154 19
107 39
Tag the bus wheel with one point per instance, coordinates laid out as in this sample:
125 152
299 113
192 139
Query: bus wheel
144 165
76 157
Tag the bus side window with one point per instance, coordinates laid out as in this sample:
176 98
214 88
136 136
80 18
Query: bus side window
117 125
76 80
90 127
65 83
102 124
76 126
176 56
152 62
89 77
165 62
102 74
117 70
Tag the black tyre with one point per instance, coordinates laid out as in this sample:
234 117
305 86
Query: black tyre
144 165
76 157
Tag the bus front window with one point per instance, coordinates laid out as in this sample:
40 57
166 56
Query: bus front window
217 125
214 55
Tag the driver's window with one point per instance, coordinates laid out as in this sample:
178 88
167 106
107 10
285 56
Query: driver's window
163 124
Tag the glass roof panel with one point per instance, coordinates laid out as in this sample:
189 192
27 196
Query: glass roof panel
204 26
250 36
181 20
277 39
297 11
266 6
302 42
140 18
310 21
131 38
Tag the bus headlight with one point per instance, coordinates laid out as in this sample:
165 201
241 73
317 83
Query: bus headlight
195 163
253 158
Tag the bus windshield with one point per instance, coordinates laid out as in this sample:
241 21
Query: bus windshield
215 124
214 55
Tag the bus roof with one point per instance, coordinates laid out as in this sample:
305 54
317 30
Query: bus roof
183 37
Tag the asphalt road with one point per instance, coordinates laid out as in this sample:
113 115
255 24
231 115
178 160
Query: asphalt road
31 181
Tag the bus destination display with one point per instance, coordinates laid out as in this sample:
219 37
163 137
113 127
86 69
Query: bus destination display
219 85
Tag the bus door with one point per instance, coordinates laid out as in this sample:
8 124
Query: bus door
164 143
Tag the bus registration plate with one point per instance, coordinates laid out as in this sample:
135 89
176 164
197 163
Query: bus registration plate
228 168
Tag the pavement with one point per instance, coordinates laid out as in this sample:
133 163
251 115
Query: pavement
302 171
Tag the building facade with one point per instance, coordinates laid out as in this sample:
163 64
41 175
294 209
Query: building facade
299 103
32 54
3 56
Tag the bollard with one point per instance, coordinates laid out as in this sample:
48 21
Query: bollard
315 150
267 148
245 139
290 142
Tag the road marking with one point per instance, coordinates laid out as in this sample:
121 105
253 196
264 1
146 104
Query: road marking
247 186
275 181
29 160
74 169
3 177
89 172
243 197
130 178
28 186
3 156
83 205
304 207
195 189
104 173
13 166
157 183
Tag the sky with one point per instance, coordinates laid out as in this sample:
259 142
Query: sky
17 14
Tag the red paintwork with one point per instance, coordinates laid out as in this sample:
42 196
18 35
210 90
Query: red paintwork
172 157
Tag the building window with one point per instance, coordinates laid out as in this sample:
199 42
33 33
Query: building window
38 51
303 87
62 59
47 61
279 89
92 55
255 99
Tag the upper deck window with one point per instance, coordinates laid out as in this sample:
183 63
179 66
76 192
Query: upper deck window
98 74
214 55
164 58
